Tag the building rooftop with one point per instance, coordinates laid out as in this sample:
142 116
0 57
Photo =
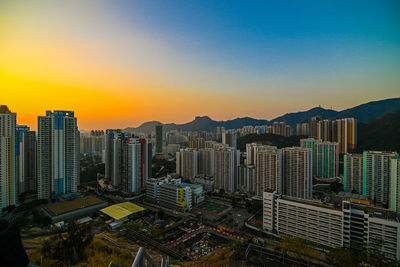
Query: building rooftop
311 202
122 210
67 206
4 109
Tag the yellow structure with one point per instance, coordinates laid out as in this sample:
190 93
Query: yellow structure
122 210
361 201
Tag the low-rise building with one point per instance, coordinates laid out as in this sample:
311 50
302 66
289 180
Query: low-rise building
152 188
206 182
197 193
73 209
176 196
355 224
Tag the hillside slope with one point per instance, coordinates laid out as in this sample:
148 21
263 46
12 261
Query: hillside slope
380 134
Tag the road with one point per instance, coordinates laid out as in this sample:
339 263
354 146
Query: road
134 236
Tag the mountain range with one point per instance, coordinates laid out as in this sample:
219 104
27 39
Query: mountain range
363 113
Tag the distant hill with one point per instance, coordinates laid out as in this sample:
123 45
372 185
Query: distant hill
362 113
371 110
382 134
305 116
200 123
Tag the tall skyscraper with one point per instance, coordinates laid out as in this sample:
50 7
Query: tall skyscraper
344 131
268 169
394 196
227 161
115 156
353 173
133 180
57 154
8 171
376 175
206 162
302 128
297 172
326 159
313 128
251 153
324 130
281 128
92 144
310 143
159 139
229 137
26 159
127 160
146 160
187 163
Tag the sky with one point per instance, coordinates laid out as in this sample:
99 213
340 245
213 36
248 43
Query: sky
122 63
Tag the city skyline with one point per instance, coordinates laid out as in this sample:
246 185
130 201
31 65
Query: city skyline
34 124
121 64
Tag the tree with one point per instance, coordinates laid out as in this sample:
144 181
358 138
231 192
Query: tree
344 257
336 187
9 208
69 248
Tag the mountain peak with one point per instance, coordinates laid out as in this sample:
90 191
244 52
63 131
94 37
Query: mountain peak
202 118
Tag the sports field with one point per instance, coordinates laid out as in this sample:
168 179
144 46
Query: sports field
213 207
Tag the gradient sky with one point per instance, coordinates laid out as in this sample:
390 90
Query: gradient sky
121 63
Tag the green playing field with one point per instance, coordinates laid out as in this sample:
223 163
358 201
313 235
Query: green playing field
213 207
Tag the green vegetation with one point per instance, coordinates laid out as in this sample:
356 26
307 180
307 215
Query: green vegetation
40 220
239 248
268 139
253 206
90 173
8 208
381 134
68 248
31 205
169 167
98 253
336 187
358 257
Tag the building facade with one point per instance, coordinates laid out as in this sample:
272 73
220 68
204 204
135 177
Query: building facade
187 163
344 131
376 175
159 139
206 162
26 159
127 161
353 173
8 166
57 154
297 172
353 225
394 197
326 163
226 164
268 169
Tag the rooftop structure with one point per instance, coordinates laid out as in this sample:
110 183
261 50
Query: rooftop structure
76 208
122 210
